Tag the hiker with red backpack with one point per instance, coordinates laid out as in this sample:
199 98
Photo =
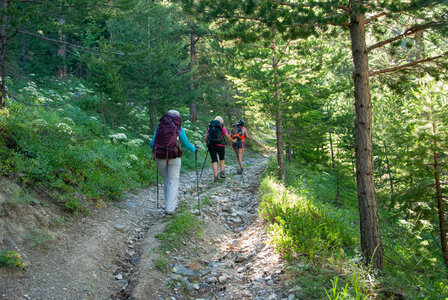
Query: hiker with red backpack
214 137
239 132
167 154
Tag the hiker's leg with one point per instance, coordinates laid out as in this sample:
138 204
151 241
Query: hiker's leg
240 158
214 158
215 168
221 153
172 184
222 165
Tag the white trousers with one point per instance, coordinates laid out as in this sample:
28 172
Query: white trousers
170 174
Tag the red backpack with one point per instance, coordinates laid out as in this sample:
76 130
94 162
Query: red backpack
166 143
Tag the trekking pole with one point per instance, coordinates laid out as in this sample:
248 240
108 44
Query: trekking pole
157 171
203 165
197 179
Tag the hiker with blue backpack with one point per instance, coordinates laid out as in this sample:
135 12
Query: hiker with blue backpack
167 154
214 138
239 132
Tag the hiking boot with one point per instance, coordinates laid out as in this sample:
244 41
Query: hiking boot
223 174
216 178
239 171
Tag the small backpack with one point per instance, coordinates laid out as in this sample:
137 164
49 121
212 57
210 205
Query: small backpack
166 143
214 134
237 132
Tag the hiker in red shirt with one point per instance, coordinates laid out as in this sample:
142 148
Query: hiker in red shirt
214 138
239 132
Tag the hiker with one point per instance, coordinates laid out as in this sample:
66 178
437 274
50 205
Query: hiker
239 132
214 138
167 154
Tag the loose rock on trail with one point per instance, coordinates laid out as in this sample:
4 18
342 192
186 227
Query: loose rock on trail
111 254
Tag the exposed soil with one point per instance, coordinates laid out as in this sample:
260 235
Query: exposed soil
111 254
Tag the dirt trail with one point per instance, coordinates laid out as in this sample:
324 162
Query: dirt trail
110 254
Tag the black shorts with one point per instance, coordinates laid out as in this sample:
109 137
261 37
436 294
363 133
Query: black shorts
238 145
215 151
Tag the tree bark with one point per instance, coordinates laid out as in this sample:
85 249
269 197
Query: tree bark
389 173
102 113
193 106
371 244
3 41
62 70
278 121
440 207
333 163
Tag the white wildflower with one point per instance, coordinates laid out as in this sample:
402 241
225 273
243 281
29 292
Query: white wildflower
122 128
68 120
145 136
127 165
133 157
93 118
64 127
118 136
135 142
40 123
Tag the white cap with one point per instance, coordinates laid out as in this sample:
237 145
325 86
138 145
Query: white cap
219 119
174 112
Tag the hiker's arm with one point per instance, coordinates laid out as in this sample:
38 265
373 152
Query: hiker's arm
230 138
184 140
245 133
151 143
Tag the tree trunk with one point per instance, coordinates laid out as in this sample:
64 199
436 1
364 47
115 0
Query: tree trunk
102 113
440 207
193 106
389 173
3 40
278 119
333 163
62 70
371 245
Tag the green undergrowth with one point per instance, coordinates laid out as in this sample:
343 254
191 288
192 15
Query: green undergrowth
180 226
319 237
57 142
11 259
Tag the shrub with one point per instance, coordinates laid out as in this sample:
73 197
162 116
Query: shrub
11 259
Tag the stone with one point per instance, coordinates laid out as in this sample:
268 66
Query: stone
196 286
119 277
260 279
186 272
194 265
291 297
239 258
222 279
272 297
120 227
212 279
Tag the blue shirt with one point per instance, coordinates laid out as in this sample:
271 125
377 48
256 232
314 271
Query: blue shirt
182 137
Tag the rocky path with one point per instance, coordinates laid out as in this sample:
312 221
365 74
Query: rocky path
111 254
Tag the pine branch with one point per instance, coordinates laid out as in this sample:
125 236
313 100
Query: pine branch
67 43
410 31
409 65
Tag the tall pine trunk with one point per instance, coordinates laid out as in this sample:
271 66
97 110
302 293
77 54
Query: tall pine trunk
3 41
440 206
371 244
333 163
278 120
62 70
193 105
